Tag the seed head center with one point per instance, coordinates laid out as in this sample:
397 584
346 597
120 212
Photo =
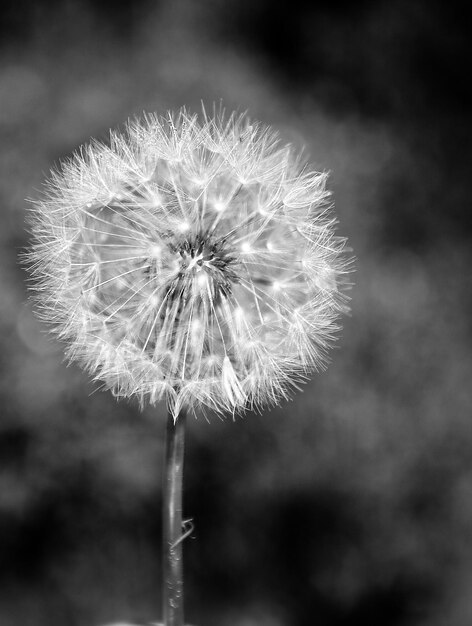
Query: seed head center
203 257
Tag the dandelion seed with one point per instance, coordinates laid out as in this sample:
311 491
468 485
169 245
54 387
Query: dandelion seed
190 261
219 206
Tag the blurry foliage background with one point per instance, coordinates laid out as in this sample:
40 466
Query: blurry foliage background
350 505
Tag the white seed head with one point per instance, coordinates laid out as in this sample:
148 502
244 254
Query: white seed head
190 261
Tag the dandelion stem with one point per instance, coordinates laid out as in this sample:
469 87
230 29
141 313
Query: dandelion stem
173 582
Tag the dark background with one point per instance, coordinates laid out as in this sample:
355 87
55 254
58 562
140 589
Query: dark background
353 503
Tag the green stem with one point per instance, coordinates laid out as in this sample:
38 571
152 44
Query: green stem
173 581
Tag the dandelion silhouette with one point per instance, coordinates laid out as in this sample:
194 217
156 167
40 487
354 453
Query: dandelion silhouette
191 261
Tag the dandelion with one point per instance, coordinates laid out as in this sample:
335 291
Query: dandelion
191 261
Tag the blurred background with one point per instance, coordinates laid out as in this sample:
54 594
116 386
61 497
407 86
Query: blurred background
353 503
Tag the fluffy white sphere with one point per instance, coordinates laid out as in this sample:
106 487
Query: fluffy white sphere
190 260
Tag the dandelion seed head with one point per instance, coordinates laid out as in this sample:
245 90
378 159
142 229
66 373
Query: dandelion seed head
190 260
